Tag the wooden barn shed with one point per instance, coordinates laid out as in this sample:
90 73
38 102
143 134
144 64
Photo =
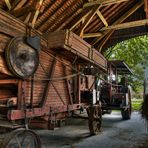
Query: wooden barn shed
51 54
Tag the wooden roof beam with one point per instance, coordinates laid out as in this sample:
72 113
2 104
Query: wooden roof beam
102 18
103 2
91 35
126 25
146 7
18 5
120 20
79 20
8 4
87 21
35 14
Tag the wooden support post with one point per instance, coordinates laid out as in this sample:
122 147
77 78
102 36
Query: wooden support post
87 21
20 95
32 91
78 87
67 86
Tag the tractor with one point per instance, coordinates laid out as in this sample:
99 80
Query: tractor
115 93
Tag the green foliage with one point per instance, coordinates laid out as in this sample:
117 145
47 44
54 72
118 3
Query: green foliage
135 53
137 104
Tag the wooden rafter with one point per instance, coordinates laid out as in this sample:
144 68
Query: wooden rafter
102 18
146 7
17 4
69 19
91 35
35 14
120 20
126 25
80 19
103 2
105 39
8 4
22 11
87 21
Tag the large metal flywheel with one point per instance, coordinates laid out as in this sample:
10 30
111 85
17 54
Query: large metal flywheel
22 59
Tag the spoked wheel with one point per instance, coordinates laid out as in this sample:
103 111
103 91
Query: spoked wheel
22 138
94 119
126 113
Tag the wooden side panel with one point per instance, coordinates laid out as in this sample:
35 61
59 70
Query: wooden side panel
70 41
57 39
79 45
58 94
99 59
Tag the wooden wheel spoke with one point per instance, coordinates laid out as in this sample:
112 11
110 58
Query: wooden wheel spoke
22 139
95 118
18 142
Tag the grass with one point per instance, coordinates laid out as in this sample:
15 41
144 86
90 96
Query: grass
136 104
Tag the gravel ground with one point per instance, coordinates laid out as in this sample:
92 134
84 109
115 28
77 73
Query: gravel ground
115 133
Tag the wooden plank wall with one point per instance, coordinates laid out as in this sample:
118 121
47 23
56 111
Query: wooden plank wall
7 32
39 86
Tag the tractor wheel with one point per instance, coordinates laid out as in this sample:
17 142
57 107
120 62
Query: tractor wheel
21 138
126 113
94 119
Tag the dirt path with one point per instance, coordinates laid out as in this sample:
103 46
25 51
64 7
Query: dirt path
116 133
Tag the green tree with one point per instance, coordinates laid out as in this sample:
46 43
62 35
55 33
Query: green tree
135 53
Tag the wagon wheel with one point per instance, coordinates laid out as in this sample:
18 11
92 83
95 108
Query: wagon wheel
126 113
22 138
94 119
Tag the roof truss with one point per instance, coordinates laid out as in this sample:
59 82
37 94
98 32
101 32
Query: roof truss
103 2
